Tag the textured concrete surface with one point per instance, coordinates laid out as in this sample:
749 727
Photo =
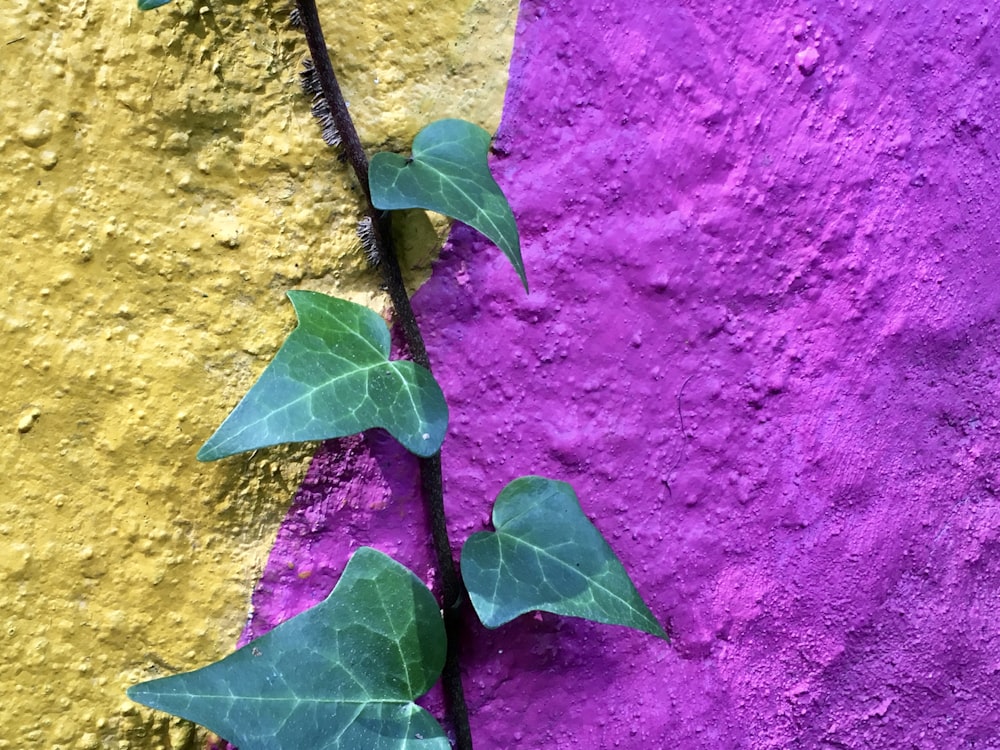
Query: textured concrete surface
162 186
762 345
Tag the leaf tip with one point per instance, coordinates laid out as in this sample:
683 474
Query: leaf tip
660 633
426 444
139 693
208 452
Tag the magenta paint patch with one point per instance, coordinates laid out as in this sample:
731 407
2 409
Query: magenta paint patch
761 343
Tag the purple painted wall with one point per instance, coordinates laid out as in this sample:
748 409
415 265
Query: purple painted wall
762 344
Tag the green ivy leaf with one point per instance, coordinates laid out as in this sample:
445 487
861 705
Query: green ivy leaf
150 4
331 378
449 173
343 674
545 555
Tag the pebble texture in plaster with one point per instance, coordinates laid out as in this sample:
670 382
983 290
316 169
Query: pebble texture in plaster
163 186
761 344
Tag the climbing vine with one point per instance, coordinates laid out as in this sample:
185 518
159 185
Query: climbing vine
346 673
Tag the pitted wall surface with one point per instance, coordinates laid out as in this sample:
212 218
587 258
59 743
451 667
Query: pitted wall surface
762 345
162 185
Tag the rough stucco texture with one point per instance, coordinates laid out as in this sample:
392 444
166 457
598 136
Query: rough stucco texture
761 343
162 184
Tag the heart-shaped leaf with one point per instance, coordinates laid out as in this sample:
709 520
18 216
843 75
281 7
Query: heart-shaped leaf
331 378
449 173
545 555
342 675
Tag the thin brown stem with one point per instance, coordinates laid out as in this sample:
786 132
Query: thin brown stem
431 483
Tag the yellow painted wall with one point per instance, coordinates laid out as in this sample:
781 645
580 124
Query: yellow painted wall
162 185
